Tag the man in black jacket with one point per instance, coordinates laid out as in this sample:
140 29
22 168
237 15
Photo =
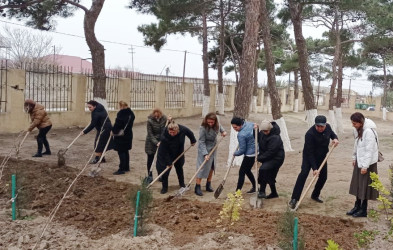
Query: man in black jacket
316 146
171 146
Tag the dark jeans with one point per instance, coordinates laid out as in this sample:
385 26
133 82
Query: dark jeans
301 180
245 169
150 158
41 139
179 171
124 157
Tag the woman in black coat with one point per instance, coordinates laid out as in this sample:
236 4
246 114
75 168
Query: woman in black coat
271 155
122 136
171 146
101 122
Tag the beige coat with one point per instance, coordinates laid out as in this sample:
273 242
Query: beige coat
39 117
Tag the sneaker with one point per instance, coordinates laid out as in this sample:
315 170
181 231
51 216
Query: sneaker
251 191
272 195
292 203
261 195
317 199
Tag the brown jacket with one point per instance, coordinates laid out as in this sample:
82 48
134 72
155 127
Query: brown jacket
39 117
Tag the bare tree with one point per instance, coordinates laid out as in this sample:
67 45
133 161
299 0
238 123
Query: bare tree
26 46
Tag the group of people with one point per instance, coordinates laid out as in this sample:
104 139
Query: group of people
165 141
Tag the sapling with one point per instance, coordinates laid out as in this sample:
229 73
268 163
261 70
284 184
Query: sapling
231 208
386 204
332 245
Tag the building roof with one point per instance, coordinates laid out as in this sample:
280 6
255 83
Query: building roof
75 63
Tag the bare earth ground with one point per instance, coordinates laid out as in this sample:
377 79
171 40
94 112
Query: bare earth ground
97 213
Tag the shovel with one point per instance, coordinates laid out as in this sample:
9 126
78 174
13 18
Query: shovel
254 201
61 153
182 190
149 178
221 186
168 167
96 169
314 178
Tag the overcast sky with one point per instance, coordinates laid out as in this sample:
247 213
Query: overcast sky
116 28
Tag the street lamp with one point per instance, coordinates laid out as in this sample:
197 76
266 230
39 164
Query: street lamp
84 59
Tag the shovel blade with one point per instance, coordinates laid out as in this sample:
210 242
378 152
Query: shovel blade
255 202
218 190
148 180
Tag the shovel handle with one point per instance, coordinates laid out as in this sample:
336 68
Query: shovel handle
229 168
76 138
314 178
23 140
103 153
204 162
168 167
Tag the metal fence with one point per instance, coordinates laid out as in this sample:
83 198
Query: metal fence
3 86
174 92
197 93
49 85
111 88
225 91
143 89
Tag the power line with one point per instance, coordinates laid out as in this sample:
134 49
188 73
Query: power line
104 41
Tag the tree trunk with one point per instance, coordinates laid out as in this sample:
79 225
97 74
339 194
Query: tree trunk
296 17
271 77
206 87
385 89
336 58
244 88
220 61
96 49
296 91
253 107
339 116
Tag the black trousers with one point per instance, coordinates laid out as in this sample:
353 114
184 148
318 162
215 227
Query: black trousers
245 169
41 139
150 158
124 157
179 171
268 172
301 180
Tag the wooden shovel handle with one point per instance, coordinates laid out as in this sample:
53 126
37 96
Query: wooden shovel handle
168 167
315 177
204 162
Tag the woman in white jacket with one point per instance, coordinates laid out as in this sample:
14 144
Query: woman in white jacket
364 161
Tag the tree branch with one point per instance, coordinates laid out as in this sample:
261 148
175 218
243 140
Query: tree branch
76 5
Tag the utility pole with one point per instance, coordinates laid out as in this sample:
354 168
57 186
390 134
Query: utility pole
131 51
319 83
349 91
54 54
184 66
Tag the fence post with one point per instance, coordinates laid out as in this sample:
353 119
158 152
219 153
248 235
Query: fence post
160 96
14 120
231 98
213 95
124 90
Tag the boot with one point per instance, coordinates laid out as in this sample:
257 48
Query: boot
209 187
262 190
355 208
164 189
274 193
198 190
362 212
47 152
95 160
118 172
37 155
292 203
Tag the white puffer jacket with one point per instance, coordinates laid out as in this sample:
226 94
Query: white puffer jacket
365 150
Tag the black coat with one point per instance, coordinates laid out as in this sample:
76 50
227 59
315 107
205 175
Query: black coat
98 117
172 146
271 148
123 143
316 146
